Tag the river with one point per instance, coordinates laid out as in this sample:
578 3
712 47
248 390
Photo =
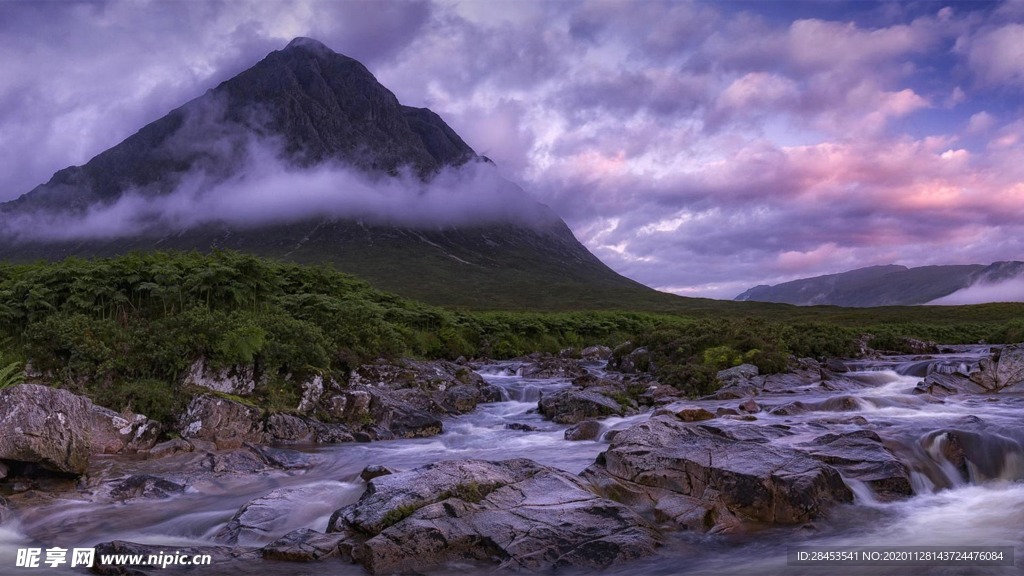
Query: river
945 510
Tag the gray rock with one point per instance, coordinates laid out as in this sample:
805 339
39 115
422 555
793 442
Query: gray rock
692 414
462 398
312 391
554 367
304 545
938 384
268 517
169 448
236 380
113 433
516 513
226 423
594 353
977 456
1003 371
521 427
836 365
289 429
46 426
586 430
570 406
707 478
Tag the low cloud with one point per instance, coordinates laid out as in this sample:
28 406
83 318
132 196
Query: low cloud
267 190
1007 291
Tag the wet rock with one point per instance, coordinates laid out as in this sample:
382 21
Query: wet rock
515 513
281 458
722 411
145 486
226 423
554 367
235 380
938 384
520 427
586 430
708 478
861 456
692 414
222 558
286 428
834 404
462 398
45 426
836 365
403 413
269 516
169 448
750 407
569 406
976 456
113 433
375 470
304 545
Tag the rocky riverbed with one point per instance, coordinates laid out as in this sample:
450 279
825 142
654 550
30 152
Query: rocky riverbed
547 462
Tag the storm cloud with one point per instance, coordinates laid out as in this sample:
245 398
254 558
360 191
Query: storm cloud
700 148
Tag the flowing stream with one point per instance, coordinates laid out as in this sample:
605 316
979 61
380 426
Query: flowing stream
986 509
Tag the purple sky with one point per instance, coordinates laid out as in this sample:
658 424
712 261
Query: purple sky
698 148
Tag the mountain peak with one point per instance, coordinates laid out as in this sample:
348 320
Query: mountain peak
302 42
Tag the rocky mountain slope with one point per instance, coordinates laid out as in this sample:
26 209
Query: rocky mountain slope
884 285
314 108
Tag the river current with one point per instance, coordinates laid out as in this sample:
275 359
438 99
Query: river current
945 510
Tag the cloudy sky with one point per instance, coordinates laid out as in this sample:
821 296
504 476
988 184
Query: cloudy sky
700 148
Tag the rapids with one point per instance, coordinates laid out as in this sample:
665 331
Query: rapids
984 508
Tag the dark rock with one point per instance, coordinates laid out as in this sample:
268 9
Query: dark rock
374 470
722 411
556 367
226 423
281 458
1003 371
750 407
520 427
462 398
586 430
737 374
569 406
704 478
977 456
834 404
304 545
861 456
398 413
938 384
45 426
693 414
516 513
286 428
836 365
145 486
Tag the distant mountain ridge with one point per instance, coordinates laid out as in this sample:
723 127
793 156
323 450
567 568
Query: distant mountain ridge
323 108
889 285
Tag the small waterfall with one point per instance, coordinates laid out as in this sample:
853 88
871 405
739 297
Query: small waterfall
960 458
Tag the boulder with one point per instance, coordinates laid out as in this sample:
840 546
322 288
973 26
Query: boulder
113 433
520 427
226 423
462 398
749 407
312 391
269 517
570 406
586 430
303 545
374 470
403 413
976 456
515 513
692 414
861 456
554 367
707 478
836 365
45 426
636 361
235 380
169 448
1003 371
350 406
290 429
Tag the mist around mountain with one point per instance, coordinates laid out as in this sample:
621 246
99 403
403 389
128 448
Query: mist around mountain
894 285
306 157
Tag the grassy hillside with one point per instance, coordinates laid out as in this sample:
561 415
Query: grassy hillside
124 330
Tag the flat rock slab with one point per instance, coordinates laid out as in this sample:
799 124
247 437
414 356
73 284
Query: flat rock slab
515 513
861 456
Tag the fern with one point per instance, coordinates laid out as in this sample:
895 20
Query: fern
11 375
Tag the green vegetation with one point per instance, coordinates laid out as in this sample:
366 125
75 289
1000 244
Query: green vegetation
125 330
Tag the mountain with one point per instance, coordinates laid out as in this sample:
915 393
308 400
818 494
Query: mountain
890 285
313 108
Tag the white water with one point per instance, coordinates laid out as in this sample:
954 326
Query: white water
945 509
